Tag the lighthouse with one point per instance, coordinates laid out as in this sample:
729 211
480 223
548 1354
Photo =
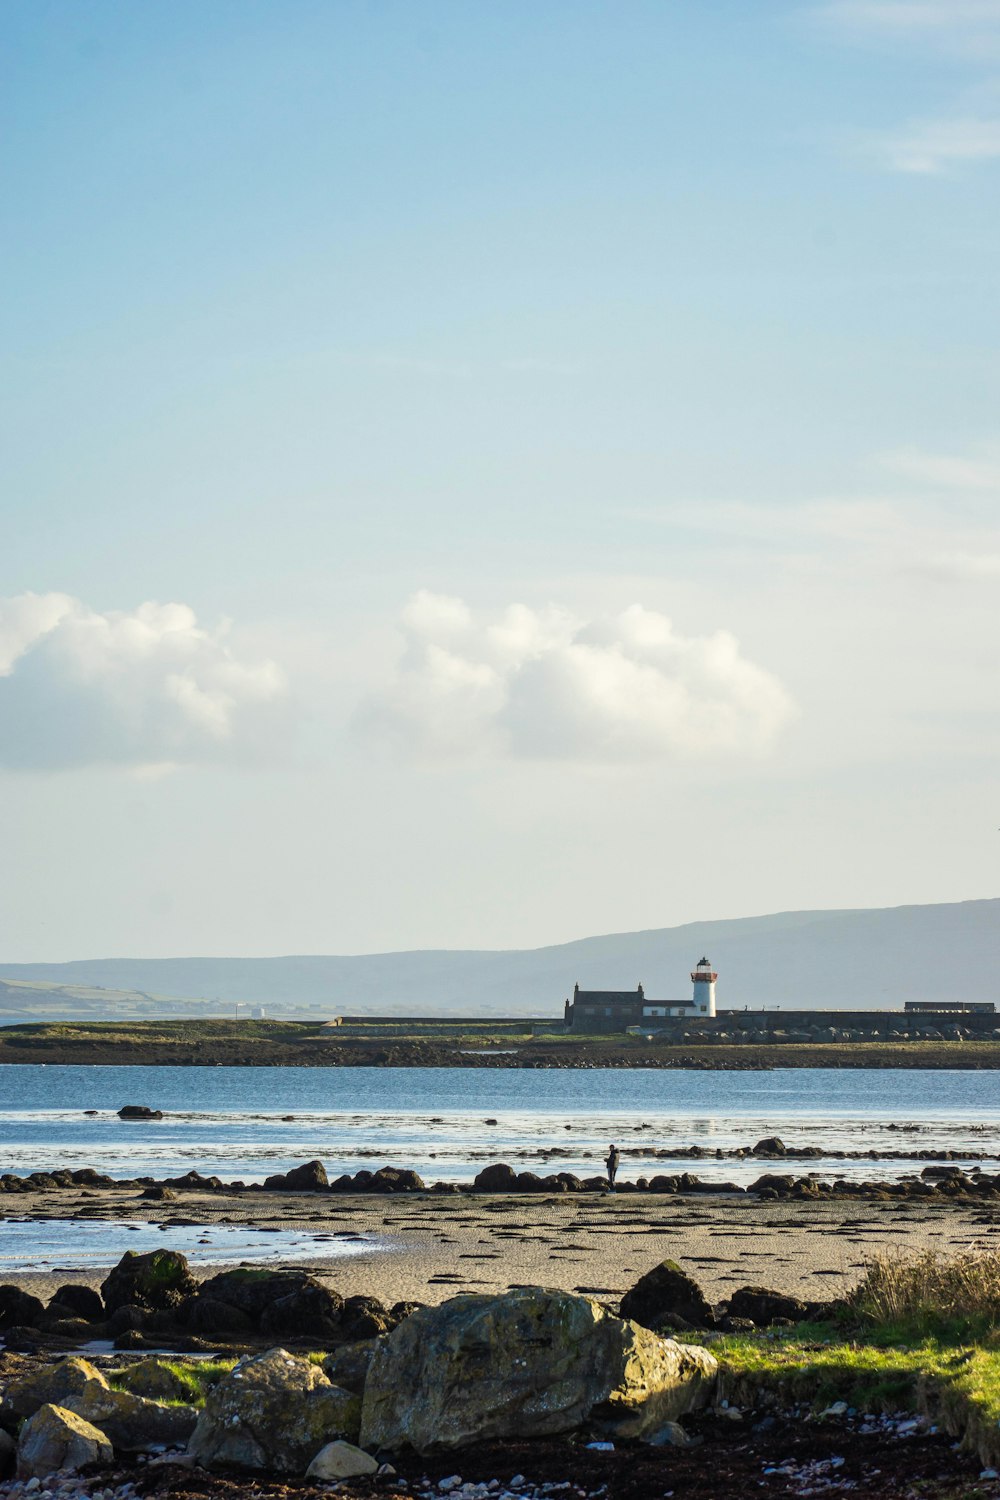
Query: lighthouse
703 977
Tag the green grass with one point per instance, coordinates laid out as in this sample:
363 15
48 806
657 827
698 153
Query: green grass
181 1032
919 1333
195 1379
955 1382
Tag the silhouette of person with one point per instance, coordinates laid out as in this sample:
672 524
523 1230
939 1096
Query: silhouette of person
612 1166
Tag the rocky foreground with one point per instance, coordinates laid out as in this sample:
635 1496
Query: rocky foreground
532 1393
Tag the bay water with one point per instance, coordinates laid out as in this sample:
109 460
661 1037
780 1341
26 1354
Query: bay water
446 1123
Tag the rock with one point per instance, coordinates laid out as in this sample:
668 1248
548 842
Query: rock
214 1319
667 1292
770 1146
253 1289
79 1302
529 1363
273 1411
52 1385
194 1181
155 1380
348 1365
8 1454
132 1422
341 1460
87 1177
364 1318
160 1279
127 1318
20 1339
58 1439
309 1309
400 1310
159 1194
775 1185
309 1178
499 1178
19 1309
670 1435
530 1182
763 1306
396 1180
132 1338
139 1112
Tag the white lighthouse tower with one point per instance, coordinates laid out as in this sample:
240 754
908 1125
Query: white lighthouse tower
703 977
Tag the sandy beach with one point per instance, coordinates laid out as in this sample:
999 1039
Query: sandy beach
428 1247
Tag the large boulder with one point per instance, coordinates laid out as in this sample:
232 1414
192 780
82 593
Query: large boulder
308 1310
498 1178
132 1422
309 1178
666 1293
255 1290
159 1280
273 1411
74 1301
396 1180
530 1363
58 1439
156 1379
211 1319
348 1366
19 1309
52 1385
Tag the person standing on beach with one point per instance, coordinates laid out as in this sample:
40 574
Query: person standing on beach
612 1166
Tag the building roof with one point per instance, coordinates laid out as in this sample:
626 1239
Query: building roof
610 997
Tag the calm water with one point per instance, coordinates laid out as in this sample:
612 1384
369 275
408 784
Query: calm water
78 1245
229 1120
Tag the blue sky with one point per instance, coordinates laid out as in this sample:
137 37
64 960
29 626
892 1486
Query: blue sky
319 308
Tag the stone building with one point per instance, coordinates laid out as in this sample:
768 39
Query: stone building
618 1010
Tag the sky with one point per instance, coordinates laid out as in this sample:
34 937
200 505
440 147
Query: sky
483 475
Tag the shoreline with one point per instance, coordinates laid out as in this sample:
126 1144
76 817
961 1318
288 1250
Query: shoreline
427 1247
121 1048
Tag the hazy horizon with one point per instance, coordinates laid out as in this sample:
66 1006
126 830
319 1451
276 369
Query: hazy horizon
475 476
562 942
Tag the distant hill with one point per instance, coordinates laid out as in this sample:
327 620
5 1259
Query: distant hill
843 960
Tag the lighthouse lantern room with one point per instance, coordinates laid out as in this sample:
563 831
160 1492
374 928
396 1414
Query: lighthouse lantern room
703 977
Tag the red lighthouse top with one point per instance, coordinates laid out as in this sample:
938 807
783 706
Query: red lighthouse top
704 972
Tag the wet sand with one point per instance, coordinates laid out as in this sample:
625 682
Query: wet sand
428 1247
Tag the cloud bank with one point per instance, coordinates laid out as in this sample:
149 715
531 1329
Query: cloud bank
544 684
146 688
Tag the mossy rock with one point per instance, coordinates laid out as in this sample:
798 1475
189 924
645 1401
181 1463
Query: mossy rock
273 1412
159 1280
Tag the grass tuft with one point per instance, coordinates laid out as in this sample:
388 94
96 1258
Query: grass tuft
928 1292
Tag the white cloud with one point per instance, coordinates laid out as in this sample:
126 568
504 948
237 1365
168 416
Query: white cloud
968 27
930 147
546 684
960 567
146 688
945 471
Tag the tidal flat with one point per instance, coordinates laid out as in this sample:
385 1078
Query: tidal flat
427 1247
